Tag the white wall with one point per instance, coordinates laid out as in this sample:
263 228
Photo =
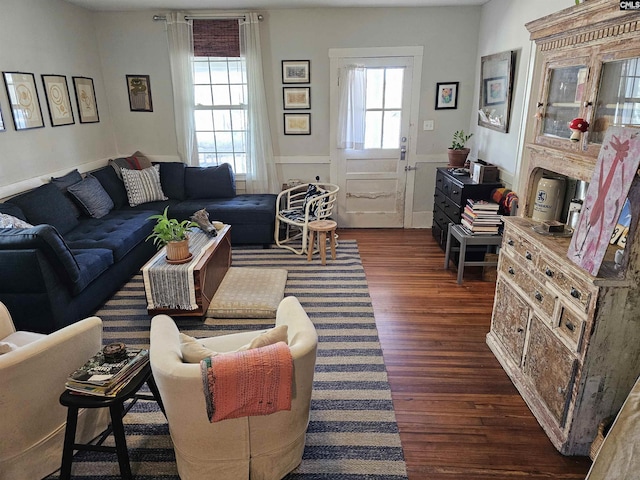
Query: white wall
502 28
50 37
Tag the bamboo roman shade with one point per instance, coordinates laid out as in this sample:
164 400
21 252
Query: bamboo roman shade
216 38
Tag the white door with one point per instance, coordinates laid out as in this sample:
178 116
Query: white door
373 181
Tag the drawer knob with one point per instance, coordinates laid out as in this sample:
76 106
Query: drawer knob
520 329
561 390
528 256
454 192
511 243
548 272
538 296
575 293
511 271
569 326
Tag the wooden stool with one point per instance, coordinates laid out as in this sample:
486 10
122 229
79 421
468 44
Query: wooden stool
322 227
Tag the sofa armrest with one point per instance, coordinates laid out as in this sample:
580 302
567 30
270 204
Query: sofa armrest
6 324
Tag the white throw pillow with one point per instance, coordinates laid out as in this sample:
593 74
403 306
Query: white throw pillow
9 221
143 186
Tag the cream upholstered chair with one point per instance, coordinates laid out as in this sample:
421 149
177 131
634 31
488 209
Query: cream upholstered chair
257 447
296 207
32 377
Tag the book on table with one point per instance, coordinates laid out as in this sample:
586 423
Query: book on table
104 378
481 216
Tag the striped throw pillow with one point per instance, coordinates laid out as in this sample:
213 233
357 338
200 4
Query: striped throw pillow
143 185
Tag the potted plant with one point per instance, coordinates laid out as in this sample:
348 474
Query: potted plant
458 153
173 234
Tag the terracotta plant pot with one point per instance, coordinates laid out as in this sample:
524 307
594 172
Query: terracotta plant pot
177 251
457 158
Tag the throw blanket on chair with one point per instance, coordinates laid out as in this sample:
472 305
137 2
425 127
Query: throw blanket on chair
247 383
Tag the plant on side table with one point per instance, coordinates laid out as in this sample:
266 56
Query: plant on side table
458 153
174 235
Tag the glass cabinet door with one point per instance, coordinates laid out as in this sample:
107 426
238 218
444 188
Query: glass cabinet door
566 89
618 100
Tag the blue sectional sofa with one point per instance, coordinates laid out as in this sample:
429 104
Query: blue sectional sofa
64 267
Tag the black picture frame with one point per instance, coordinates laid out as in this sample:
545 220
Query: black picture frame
447 95
56 92
296 71
86 100
139 91
2 127
296 98
297 124
23 98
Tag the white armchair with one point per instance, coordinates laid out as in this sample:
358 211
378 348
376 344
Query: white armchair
295 208
257 447
32 377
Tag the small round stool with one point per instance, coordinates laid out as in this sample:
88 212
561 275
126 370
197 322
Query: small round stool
322 227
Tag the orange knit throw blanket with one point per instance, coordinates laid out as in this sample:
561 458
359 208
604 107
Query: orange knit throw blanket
251 382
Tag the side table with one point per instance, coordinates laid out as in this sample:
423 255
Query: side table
322 228
117 410
464 239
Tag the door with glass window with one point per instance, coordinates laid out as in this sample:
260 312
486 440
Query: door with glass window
372 180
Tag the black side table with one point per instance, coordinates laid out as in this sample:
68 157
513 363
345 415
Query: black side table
117 411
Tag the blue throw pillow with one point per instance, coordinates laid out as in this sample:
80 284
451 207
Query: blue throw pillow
65 182
47 205
210 182
94 199
172 179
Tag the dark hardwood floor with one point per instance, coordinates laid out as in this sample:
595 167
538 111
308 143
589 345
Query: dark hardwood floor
459 415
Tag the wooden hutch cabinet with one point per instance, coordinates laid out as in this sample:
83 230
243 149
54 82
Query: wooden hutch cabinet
569 341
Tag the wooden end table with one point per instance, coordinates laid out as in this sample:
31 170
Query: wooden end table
207 275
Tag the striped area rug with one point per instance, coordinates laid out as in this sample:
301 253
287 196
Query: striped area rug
352 433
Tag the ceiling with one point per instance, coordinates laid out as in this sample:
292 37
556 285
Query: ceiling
125 5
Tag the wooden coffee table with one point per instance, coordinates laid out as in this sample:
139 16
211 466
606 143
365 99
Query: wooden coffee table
208 272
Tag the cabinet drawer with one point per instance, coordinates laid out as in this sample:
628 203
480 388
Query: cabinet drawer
551 367
439 199
571 328
452 210
509 322
520 246
577 291
455 193
536 293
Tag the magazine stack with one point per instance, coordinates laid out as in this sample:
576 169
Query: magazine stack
105 377
481 216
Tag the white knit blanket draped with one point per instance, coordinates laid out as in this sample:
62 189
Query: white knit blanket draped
171 286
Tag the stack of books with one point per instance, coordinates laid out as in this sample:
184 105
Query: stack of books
105 379
481 216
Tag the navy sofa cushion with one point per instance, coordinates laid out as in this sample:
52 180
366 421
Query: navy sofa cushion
113 185
210 182
47 205
172 179
120 231
255 209
64 182
12 210
92 263
94 199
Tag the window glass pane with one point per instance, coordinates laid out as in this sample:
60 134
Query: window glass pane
241 163
206 142
375 84
203 120
238 119
219 73
222 119
226 158
237 95
393 88
391 129
238 142
235 72
223 142
202 95
201 72
208 159
221 94
373 130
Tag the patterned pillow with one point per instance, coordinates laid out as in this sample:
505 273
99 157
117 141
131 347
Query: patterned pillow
92 196
9 221
143 186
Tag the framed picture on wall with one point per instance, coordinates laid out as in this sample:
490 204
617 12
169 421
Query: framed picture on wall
2 129
297 124
139 89
86 100
24 101
296 98
56 92
296 71
447 95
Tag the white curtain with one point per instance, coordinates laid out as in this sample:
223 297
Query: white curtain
180 36
351 110
261 176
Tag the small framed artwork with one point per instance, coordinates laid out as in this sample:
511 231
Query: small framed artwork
86 100
139 89
296 71
447 95
24 100
296 98
495 91
56 92
297 124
